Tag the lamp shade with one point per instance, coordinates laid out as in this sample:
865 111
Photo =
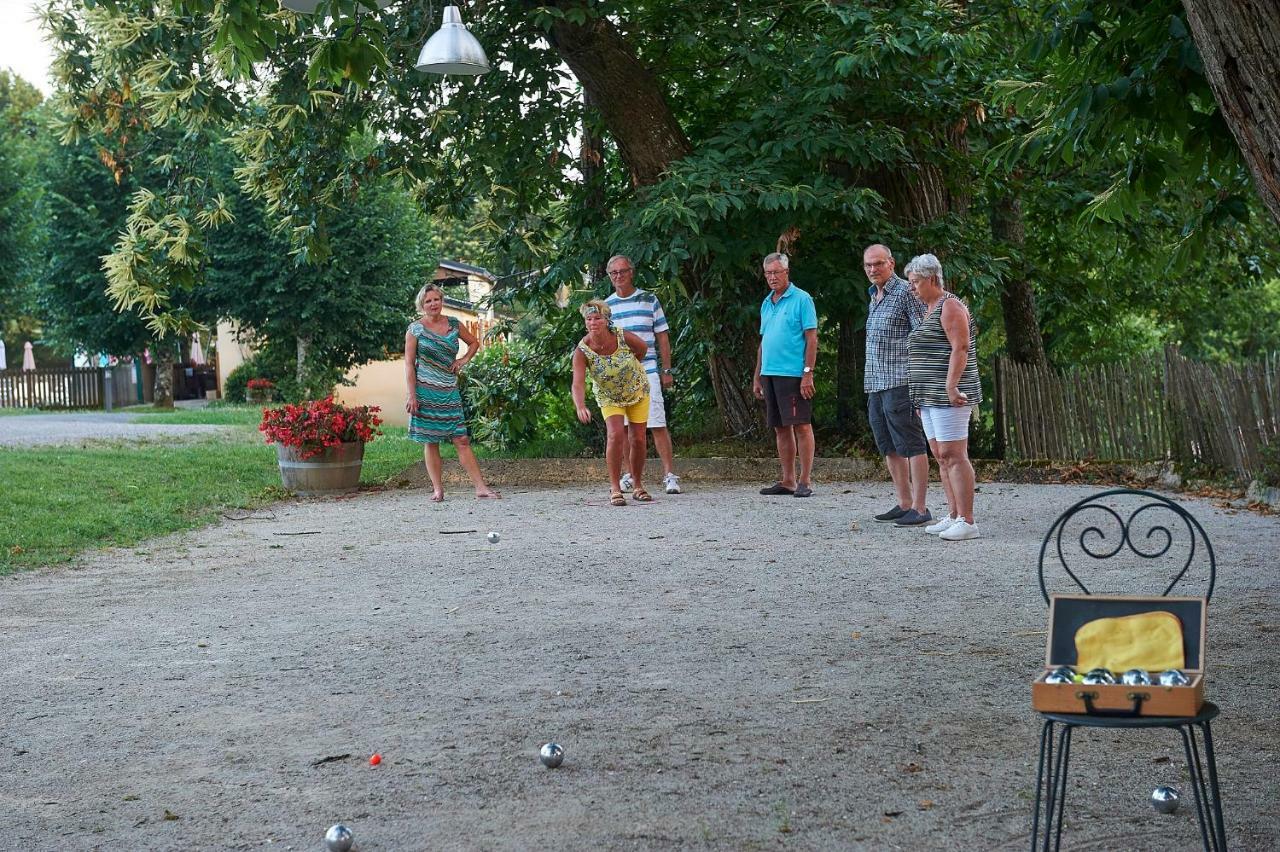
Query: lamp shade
307 7
452 50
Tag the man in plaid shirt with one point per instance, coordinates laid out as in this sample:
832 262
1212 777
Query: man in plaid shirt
892 315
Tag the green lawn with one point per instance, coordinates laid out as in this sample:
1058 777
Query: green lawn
60 501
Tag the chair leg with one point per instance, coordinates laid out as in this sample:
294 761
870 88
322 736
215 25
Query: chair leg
1192 751
1215 793
1064 760
1044 784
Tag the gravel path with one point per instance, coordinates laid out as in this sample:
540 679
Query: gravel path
726 672
35 430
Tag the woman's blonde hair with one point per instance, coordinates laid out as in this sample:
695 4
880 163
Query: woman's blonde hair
422 294
597 306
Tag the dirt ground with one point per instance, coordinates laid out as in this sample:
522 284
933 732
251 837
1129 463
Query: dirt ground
725 671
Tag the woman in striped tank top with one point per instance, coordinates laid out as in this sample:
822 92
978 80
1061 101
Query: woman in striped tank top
942 377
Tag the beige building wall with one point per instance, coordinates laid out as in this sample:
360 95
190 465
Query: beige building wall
231 352
381 383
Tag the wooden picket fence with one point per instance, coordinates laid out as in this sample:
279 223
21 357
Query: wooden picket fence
70 387
1152 407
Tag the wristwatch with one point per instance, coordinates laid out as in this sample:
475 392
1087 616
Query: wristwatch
808 371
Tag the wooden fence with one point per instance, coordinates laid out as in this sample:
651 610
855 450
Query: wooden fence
71 387
1151 407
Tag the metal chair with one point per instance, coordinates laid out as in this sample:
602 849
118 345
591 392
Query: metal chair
1101 519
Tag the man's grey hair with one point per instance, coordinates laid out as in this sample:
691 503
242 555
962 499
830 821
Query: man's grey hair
926 264
887 250
778 258
630 264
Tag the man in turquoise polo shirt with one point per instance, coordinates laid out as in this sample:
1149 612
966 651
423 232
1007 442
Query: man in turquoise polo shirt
784 373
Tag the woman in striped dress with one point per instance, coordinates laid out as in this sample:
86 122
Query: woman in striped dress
942 378
431 366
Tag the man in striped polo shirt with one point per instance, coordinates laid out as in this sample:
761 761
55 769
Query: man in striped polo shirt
639 312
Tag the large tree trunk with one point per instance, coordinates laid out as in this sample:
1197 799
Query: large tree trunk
1239 41
634 108
303 350
630 99
165 360
591 164
1017 298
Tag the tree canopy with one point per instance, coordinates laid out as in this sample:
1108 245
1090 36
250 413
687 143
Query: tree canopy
1058 155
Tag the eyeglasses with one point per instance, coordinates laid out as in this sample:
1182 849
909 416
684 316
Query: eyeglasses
614 273
876 264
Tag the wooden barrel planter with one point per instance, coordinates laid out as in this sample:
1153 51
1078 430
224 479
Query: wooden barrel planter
333 471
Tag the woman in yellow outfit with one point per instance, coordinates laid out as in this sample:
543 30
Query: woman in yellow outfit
614 358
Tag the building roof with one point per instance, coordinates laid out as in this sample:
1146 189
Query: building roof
465 268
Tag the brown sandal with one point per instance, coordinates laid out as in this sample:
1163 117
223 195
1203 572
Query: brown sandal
617 498
641 496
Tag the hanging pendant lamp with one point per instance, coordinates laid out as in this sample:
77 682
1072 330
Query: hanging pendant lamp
452 50
307 7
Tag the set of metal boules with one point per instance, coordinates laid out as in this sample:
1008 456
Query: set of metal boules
339 838
1132 677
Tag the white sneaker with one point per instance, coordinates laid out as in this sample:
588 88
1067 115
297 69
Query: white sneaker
961 530
945 524
626 483
672 483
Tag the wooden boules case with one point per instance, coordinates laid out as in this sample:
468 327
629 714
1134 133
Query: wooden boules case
1069 613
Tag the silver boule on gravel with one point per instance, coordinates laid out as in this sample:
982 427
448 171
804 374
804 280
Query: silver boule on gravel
1165 799
493 537
338 838
551 755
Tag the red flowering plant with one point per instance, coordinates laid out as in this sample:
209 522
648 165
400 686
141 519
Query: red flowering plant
315 424
260 384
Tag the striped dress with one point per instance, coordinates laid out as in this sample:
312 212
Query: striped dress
929 356
438 414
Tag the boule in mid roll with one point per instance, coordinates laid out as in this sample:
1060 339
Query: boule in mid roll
1165 799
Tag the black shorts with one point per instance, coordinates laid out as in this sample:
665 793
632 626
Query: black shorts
783 404
894 423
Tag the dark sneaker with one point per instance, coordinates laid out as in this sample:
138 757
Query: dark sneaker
891 515
777 488
912 518
803 490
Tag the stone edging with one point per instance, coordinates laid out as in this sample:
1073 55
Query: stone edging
573 471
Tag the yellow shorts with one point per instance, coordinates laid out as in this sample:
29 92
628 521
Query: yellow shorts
638 413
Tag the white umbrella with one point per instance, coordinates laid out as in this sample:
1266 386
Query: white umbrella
28 357
197 353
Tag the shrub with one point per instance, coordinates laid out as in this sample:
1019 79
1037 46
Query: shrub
312 425
517 396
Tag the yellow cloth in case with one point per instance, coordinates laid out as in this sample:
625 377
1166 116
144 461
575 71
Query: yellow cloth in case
1148 640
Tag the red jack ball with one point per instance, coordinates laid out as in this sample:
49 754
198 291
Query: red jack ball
375 760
